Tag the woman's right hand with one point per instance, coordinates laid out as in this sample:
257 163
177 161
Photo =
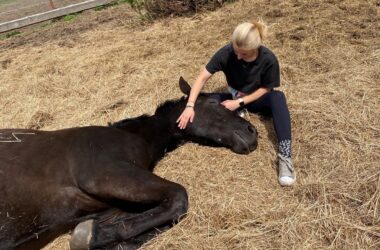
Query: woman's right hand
186 116
188 113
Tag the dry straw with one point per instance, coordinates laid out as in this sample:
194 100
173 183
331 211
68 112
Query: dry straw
107 66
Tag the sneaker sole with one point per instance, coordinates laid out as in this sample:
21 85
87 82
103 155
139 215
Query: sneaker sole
286 181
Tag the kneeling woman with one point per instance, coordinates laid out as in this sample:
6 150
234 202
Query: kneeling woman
252 73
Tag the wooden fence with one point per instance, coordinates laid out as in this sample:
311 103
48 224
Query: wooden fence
53 13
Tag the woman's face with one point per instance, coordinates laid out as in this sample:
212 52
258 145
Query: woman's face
246 55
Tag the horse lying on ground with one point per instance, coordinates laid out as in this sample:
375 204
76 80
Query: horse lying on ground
99 180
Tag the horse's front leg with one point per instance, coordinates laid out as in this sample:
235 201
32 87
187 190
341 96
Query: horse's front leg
168 201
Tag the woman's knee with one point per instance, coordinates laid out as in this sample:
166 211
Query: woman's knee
277 97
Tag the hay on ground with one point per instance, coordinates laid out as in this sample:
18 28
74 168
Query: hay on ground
76 73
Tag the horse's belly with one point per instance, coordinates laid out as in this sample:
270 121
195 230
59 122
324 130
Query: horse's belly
30 215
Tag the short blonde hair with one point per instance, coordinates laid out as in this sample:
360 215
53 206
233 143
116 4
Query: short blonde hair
249 35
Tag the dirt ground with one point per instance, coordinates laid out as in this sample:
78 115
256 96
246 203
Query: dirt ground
65 74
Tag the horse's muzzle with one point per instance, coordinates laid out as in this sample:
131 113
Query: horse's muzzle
245 141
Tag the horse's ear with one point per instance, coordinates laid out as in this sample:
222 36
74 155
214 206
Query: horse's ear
184 86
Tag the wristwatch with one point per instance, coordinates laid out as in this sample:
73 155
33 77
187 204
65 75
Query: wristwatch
241 102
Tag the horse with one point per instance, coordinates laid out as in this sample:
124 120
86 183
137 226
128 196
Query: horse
97 181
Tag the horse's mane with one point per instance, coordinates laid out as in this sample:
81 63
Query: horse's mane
163 108
123 123
167 107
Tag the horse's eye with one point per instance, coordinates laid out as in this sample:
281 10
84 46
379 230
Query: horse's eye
213 102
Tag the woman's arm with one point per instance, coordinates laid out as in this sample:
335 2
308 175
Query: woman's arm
255 95
188 114
235 104
198 85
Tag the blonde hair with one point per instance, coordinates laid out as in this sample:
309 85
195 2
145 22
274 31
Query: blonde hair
249 35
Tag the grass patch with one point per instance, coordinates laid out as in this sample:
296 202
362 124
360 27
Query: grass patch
10 34
69 17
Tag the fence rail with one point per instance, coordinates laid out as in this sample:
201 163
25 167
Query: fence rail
49 14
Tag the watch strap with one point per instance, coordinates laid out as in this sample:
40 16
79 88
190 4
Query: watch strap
241 102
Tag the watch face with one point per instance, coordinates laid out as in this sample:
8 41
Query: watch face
241 103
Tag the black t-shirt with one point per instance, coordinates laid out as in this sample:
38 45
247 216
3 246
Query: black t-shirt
246 76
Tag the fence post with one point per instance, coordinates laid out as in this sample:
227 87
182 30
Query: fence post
51 4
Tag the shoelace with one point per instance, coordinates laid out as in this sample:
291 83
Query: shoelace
287 162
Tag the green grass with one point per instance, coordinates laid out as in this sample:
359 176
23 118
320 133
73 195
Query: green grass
69 17
10 34
128 1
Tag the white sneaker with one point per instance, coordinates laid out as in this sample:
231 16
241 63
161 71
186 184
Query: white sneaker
286 171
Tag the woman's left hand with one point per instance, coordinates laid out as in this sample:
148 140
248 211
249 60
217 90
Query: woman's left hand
231 104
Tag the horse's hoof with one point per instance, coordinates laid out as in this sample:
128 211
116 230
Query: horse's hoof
81 237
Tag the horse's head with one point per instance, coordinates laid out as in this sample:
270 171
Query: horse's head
218 125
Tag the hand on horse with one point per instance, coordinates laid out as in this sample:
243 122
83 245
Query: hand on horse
231 104
186 116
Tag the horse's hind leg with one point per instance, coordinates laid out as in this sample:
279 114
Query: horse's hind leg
168 202
136 242
83 233
124 227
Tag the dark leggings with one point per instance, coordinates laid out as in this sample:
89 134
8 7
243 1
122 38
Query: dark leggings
272 104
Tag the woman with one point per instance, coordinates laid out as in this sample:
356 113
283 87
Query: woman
252 72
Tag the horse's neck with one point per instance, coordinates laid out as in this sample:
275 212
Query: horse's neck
159 132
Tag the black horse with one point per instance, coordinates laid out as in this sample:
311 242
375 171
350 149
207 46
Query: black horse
99 180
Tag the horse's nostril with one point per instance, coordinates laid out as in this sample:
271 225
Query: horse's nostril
250 129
